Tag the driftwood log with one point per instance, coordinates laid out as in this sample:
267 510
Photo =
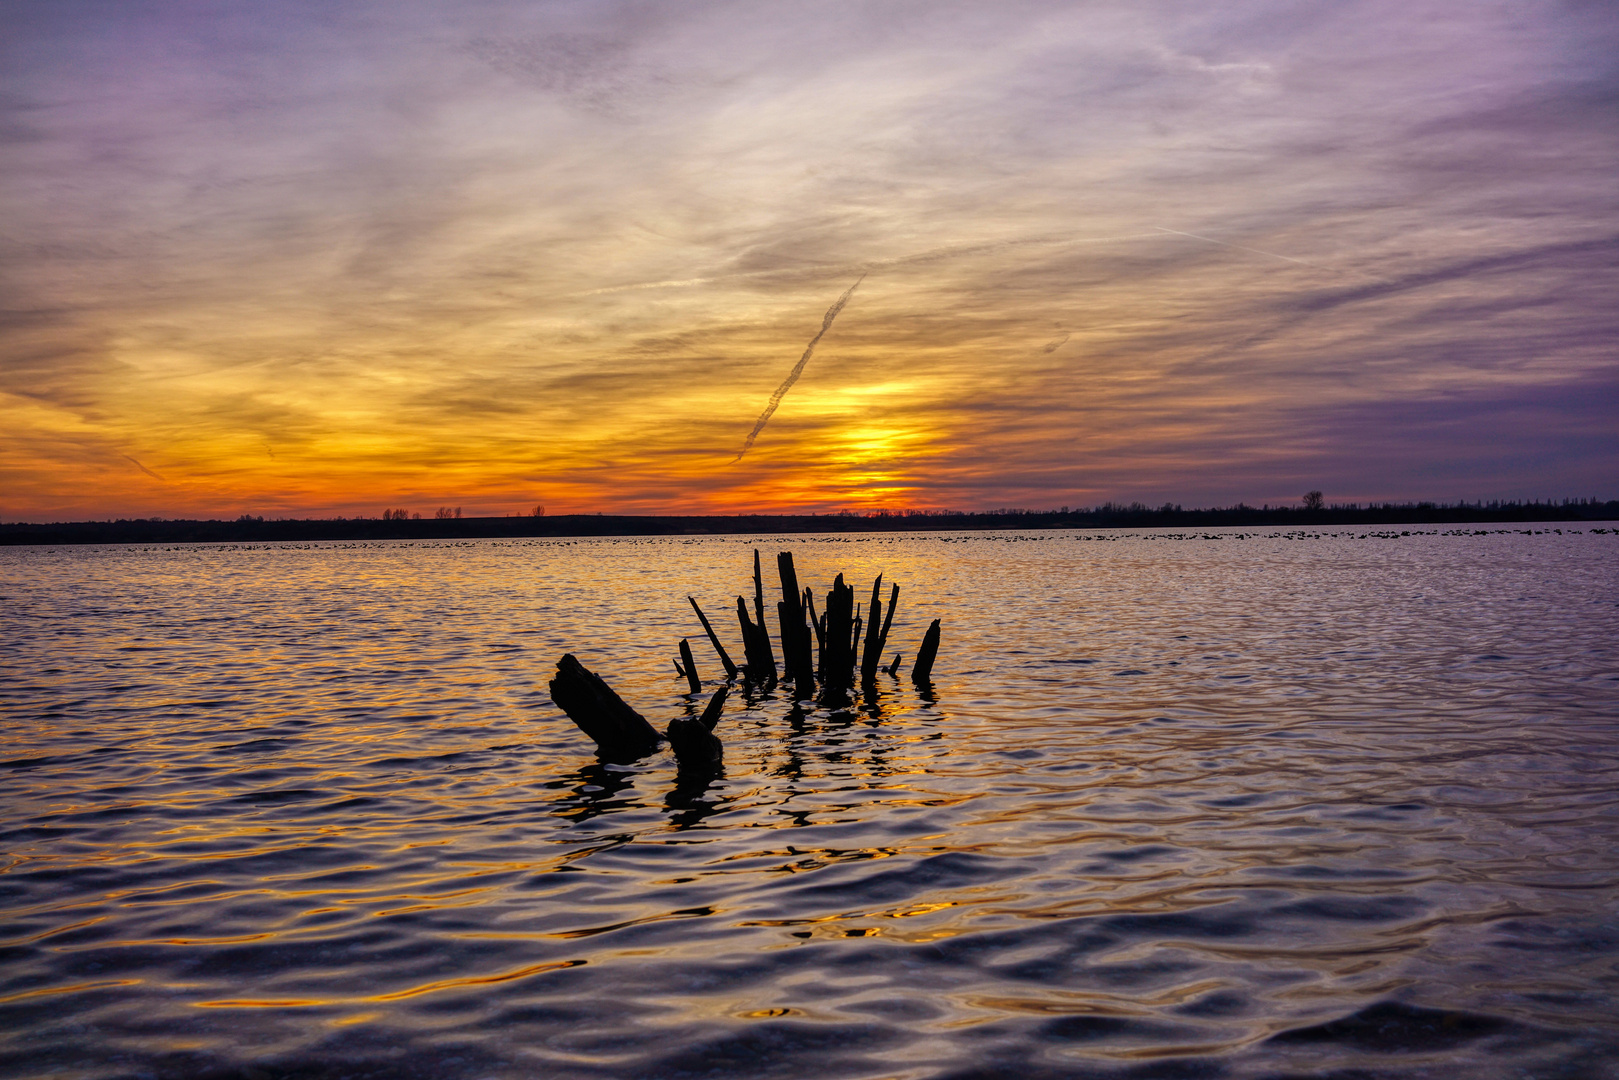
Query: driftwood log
620 733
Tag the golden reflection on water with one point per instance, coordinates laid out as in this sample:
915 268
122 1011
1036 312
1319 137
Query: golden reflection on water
1202 792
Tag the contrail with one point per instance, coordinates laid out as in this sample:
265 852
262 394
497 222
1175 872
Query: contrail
1239 247
798 368
1272 255
143 468
931 255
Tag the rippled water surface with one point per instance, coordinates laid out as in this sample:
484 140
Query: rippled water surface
1236 803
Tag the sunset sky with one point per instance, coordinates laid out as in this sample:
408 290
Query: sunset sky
308 259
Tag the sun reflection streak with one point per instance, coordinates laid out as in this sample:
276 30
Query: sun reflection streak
397 995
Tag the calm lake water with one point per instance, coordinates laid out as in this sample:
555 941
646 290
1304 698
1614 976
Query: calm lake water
1237 803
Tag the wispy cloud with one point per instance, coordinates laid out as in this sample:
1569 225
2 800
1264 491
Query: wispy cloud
503 253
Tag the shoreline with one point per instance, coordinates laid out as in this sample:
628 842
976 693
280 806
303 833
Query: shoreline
155 531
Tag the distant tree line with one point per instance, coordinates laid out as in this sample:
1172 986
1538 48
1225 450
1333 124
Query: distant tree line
399 524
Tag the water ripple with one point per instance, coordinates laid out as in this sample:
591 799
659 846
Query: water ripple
1237 803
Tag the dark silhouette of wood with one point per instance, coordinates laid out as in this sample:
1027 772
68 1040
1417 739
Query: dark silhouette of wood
892 669
872 657
922 670
767 655
750 666
696 747
690 669
815 622
761 668
711 711
714 640
620 733
888 622
797 660
837 649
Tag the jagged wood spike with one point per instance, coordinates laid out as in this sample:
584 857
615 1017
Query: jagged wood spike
796 655
749 649
837 652
922 670
820 631
690 670
760 672
888 621
767 655
711 711
789 616
713 639
872 656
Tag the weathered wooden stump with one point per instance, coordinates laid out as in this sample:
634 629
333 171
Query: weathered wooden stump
620 733
840 628
922 670
797 657
696 747
761 665
767 655
688 667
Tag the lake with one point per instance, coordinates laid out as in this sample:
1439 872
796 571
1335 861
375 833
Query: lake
1338 802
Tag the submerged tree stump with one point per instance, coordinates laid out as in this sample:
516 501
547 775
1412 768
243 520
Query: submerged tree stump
688 667
922 671
872 655
797 657
761 665
696 747
620 733
767 655
839 626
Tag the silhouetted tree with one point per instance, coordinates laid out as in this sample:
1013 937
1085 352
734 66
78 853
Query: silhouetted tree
447 512
538 511
1312 500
